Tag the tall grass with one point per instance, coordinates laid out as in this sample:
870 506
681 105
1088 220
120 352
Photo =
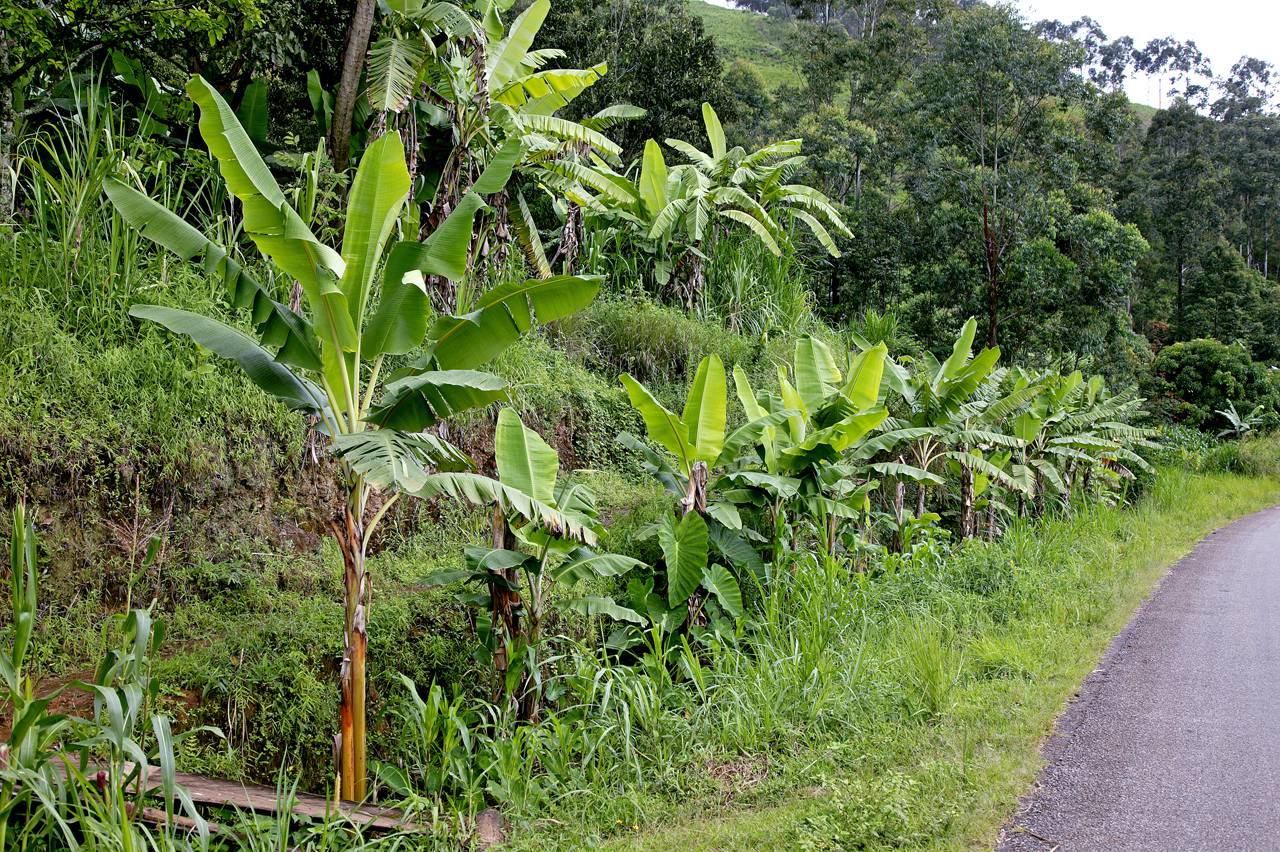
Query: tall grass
755 293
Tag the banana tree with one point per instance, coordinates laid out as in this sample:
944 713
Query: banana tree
439 69
364 301
830 415
1072 430
549 548
672 210
935 426
701 455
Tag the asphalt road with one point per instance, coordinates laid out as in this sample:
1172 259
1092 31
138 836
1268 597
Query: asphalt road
1174 740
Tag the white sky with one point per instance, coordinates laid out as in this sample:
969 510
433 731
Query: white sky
1224 30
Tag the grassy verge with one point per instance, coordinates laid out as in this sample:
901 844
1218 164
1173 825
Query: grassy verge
906 710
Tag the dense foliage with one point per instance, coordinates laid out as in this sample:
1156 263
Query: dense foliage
635 381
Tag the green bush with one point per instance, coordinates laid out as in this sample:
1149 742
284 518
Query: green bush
1191 381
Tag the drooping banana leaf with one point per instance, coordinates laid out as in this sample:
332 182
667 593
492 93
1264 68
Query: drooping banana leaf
277 325
503 315
420 400
483 491
584 564
388 458
258 364
599 605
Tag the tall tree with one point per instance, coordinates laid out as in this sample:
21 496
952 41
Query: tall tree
349 83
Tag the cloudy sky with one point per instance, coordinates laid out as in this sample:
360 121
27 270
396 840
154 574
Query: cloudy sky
1224 30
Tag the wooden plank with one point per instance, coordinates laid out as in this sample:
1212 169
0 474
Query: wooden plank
262 799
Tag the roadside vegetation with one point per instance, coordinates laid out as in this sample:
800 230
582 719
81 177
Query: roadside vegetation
443 429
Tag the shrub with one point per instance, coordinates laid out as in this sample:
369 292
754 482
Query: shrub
1192 380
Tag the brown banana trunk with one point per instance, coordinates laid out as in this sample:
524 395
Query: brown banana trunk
504 613
695 500
349 531
966 502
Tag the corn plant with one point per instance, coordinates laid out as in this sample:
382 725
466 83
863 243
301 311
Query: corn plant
363 303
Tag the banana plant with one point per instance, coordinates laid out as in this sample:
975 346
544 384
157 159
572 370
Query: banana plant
671 210
811 459
364 301
528 556
700 454
1073 432
934 425
440 68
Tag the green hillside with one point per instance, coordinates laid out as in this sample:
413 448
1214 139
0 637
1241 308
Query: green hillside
754 38
762 41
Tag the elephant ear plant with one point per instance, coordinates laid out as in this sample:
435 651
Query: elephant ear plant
363 302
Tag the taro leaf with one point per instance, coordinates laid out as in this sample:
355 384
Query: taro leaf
684 548
722 584
734 547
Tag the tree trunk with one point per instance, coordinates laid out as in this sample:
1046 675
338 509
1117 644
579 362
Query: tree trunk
690 280
966 502
570 239
344 103
695 500
8 191
349 531
504 604
993 278
920 491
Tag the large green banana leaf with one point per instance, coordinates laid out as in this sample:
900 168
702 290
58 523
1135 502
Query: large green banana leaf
483 491
276 324
374 203
258 364
503 315
420 400
391 459
524 460
706 410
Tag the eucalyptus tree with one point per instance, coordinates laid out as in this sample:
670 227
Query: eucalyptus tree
364 302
